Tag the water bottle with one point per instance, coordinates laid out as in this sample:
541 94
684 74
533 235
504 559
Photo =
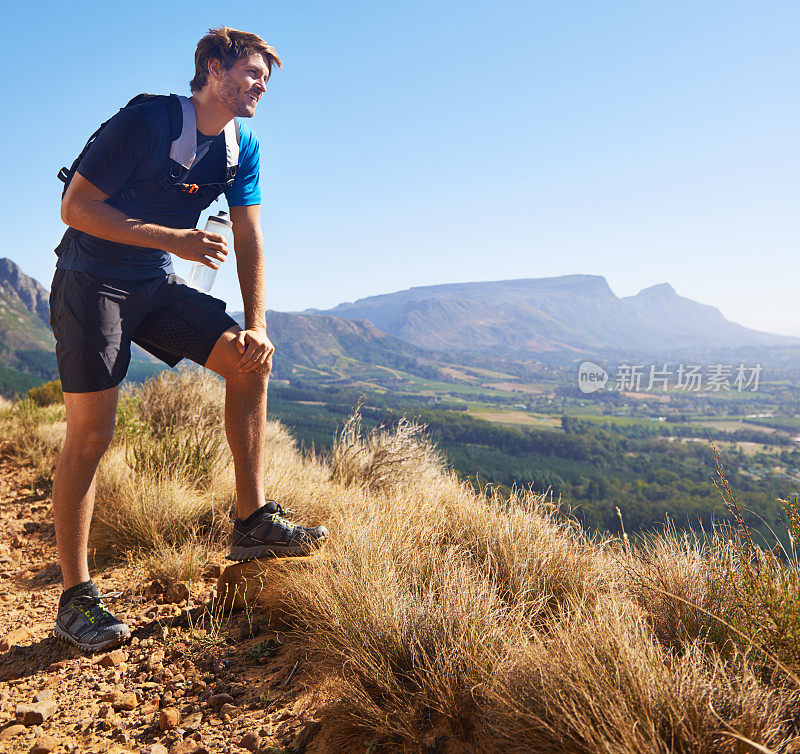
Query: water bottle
200 276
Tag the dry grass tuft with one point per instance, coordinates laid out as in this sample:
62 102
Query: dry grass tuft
189 455
181 562
163 512
384 458
34 436
181 399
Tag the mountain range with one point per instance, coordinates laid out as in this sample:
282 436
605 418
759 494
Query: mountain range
578 313
421 330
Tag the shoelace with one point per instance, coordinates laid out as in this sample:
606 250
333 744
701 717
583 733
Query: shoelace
277 516
92 604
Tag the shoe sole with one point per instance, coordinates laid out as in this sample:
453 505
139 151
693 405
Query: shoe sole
239 554
114 641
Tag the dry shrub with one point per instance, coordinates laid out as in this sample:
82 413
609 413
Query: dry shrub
425 597
406 644
384 458
181 562
672 576
165 490
723 589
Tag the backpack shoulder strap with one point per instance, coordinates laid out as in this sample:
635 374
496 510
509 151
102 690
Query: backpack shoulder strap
184 149
233 136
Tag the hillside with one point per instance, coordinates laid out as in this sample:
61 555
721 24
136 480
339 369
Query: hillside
567 313
337 346
438 618
26 342
308 345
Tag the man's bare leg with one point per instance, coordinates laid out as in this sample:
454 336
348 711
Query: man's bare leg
90 426
245 422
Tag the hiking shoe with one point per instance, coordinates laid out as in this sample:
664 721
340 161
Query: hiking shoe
84 622
266 534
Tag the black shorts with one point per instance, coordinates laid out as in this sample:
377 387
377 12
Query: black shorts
96 319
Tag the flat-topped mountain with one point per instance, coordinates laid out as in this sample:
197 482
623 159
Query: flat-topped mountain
570 313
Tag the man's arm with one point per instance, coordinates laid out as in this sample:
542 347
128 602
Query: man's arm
248 244
84 208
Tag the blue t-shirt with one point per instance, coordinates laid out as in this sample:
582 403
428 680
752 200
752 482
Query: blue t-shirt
134 146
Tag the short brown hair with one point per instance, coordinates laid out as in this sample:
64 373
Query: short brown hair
228 45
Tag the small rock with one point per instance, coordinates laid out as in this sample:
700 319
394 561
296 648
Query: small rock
193 722
189 746
229 709
11 731
155 660
14 637
42 695
44 744
155 749
177 591
169 718
212 571
127 701
36 714
216 701
60 665
113 659
303 738
154 589
249 740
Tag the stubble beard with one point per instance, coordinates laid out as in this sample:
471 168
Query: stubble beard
234 98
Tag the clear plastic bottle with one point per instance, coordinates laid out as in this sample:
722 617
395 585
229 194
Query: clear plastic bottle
200 276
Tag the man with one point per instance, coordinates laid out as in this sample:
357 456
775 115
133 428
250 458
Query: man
114 284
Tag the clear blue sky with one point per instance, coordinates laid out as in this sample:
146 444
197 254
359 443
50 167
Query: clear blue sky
418 143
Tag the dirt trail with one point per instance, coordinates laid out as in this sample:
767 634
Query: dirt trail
190 679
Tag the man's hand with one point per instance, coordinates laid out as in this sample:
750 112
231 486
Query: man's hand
196 245
256 350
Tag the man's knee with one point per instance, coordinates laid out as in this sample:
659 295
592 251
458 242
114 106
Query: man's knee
90 422
225 358
89 443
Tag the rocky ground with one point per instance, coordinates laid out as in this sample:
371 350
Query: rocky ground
193 678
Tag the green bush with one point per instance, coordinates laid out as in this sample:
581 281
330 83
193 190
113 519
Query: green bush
47 394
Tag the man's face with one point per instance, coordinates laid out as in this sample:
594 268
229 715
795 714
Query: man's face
241 87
